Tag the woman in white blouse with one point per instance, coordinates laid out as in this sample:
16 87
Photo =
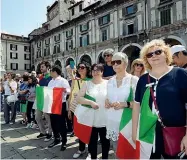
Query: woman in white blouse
118 93
96 88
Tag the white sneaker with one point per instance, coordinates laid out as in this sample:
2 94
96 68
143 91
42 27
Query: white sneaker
34 126
29 125
78 154
88 157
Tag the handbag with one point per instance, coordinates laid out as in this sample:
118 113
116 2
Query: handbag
172 136
12 98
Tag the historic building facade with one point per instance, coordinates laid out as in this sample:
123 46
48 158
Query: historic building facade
93 26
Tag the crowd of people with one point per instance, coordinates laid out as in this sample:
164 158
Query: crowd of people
161 68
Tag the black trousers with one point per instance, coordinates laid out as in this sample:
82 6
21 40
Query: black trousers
69 123
58 125
30 111
105 143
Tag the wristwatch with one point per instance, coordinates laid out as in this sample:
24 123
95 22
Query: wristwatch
128 104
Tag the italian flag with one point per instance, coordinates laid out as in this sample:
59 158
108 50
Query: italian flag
126 148
83 121
49 100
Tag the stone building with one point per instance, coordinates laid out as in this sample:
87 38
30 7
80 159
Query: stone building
16 55
94 25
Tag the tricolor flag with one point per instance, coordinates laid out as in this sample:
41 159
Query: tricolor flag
49 100
83 121
147 125
126 148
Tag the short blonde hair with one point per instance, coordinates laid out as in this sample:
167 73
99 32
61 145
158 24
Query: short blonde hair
153 43
120 56
138 61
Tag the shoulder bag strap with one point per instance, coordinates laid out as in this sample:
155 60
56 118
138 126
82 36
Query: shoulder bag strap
155 104
78 84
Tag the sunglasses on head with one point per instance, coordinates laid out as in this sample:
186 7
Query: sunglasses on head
118 62
157 52
107 55
81 67
136 64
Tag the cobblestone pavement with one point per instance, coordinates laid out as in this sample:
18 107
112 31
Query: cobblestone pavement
18 142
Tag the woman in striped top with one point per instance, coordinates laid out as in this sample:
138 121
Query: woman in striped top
83 74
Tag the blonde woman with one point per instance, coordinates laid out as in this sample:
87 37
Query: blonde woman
137 67
118 93
162 91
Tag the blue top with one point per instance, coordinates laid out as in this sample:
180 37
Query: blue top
23 87
108 71
171 96
45 80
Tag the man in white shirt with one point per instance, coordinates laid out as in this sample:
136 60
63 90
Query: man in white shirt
10 87
58 122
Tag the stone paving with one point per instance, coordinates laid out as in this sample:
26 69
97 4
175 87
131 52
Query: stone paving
18 142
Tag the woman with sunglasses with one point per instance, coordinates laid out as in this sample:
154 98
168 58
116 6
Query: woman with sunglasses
83 74
97 90
161 93
137 67
119 89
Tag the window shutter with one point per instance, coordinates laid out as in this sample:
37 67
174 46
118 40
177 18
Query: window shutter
66 33
16 66
88 25
124 29
135 26
55 38
88 41
11 66
66 45
59 37
124 11
54 50
16 47
71 31
80 28
135 8
80 39
10 55
71 44
100 21
16 55
108 18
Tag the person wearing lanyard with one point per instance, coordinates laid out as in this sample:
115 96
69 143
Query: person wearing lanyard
179 55
10 87
161 96
58 122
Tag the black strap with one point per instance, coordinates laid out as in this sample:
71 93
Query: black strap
155 104
78 84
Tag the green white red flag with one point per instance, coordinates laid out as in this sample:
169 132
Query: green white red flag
49 100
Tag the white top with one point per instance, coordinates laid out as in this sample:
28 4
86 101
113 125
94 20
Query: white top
60 82
13 85
120 94
99 92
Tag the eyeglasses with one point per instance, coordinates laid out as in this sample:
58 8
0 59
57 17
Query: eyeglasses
96 70
136 64
81 67
118 62
107 55
157 52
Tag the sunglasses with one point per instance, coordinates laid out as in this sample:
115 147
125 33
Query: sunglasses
81 67
118 62
136 64
157 52
107 55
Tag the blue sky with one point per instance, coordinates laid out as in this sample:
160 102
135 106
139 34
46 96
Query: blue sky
20 17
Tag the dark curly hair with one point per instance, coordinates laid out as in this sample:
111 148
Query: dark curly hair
34 81
88 70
